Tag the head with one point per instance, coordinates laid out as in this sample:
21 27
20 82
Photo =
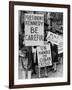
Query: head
34 46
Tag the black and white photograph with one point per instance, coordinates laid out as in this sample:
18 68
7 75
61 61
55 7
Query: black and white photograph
39 44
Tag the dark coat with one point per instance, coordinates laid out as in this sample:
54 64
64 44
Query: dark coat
54 52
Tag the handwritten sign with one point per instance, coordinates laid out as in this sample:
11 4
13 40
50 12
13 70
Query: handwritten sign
44 56
52 37
34 29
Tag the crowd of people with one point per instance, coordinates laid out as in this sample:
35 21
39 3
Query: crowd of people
28 58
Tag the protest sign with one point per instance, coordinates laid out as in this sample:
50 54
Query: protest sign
56 39
60 45
44 56
34 29
52 37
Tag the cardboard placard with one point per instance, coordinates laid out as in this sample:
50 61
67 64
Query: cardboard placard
60 45
44 56
52 37
56 39
34 29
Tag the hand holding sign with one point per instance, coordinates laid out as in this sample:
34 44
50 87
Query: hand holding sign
56 39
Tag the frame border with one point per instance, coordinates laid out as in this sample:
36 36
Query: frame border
11 43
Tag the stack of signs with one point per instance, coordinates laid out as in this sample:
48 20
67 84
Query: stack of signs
34 29
56 39
44 56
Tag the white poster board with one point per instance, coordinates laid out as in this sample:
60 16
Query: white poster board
56 39
34 29
60 45
52 37
44 56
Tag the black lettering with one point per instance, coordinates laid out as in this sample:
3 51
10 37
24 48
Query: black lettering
34 29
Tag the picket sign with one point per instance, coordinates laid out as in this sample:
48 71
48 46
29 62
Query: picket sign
44 55
60 46
56 39
34 29
52 37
